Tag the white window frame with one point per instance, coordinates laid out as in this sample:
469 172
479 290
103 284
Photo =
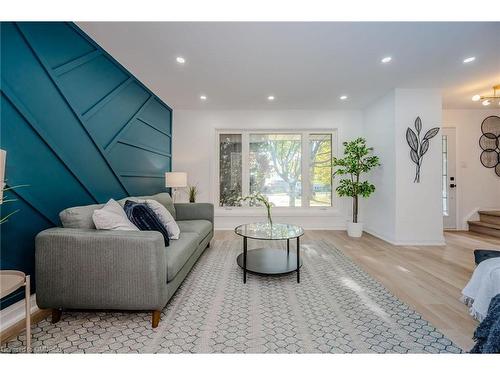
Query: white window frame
305 209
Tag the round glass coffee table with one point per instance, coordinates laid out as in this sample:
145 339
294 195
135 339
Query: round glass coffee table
267 260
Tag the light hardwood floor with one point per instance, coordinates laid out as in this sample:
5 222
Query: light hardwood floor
17 328
427 278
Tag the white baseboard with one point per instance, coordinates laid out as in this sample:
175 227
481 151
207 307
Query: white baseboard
15 313
404 243
322 221
418 243
378 235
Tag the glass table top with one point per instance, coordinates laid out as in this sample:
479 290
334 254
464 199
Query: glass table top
267 231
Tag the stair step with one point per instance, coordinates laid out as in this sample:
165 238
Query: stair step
492 217
483 224
484 228
490 213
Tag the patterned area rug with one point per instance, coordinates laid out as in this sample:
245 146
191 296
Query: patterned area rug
336 308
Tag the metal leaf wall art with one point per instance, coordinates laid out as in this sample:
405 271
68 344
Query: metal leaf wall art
418 147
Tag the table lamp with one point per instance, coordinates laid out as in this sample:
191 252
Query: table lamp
175 180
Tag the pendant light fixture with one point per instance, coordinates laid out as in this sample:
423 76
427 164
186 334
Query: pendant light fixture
488 99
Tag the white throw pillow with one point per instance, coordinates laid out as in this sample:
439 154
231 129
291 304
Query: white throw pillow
165 217
112 216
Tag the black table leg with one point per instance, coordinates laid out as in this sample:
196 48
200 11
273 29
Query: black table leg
287 246
298 260
244 260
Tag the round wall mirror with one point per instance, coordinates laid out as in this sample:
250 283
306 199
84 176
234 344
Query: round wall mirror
490 143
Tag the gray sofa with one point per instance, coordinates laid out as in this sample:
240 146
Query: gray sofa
80 267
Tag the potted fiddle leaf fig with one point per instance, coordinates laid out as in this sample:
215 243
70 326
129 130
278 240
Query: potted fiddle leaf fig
358 160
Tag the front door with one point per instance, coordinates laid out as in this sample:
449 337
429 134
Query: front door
449 181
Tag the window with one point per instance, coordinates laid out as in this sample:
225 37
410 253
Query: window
229 169
292 169
275 168
444 174
320 164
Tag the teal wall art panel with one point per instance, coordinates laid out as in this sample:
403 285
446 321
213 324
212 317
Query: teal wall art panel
78 129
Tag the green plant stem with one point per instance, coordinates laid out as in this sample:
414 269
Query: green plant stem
258 197
6 218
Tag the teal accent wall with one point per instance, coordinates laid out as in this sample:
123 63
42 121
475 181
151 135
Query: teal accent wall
78 129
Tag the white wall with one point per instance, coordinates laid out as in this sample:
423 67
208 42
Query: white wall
419 217
378 212
477 187
194 151
401 211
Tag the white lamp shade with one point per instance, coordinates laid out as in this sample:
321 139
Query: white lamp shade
3 157
175 179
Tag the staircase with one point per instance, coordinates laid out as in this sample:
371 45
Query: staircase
489 223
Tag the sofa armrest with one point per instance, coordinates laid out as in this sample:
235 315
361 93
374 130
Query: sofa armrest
195 211
98 269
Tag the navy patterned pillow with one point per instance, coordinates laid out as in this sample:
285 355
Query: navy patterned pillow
144 218
480 255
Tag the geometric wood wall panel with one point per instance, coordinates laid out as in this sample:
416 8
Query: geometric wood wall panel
78 129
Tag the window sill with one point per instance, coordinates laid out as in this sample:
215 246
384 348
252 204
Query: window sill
277 212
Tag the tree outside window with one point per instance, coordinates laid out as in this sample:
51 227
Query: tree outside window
275 168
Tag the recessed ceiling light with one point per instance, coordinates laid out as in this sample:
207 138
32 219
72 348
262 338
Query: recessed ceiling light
486 102
270 98
476 98
469 59
386 59
203 97
343 97
180 59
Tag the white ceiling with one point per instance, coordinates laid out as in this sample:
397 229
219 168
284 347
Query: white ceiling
304 65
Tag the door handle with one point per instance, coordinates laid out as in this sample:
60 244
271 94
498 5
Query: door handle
453 185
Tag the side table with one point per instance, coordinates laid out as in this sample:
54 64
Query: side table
10 281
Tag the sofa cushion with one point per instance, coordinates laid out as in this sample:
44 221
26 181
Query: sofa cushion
112 217
200 227
164 199
482 255
144 218
164 215
179 251
79 217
